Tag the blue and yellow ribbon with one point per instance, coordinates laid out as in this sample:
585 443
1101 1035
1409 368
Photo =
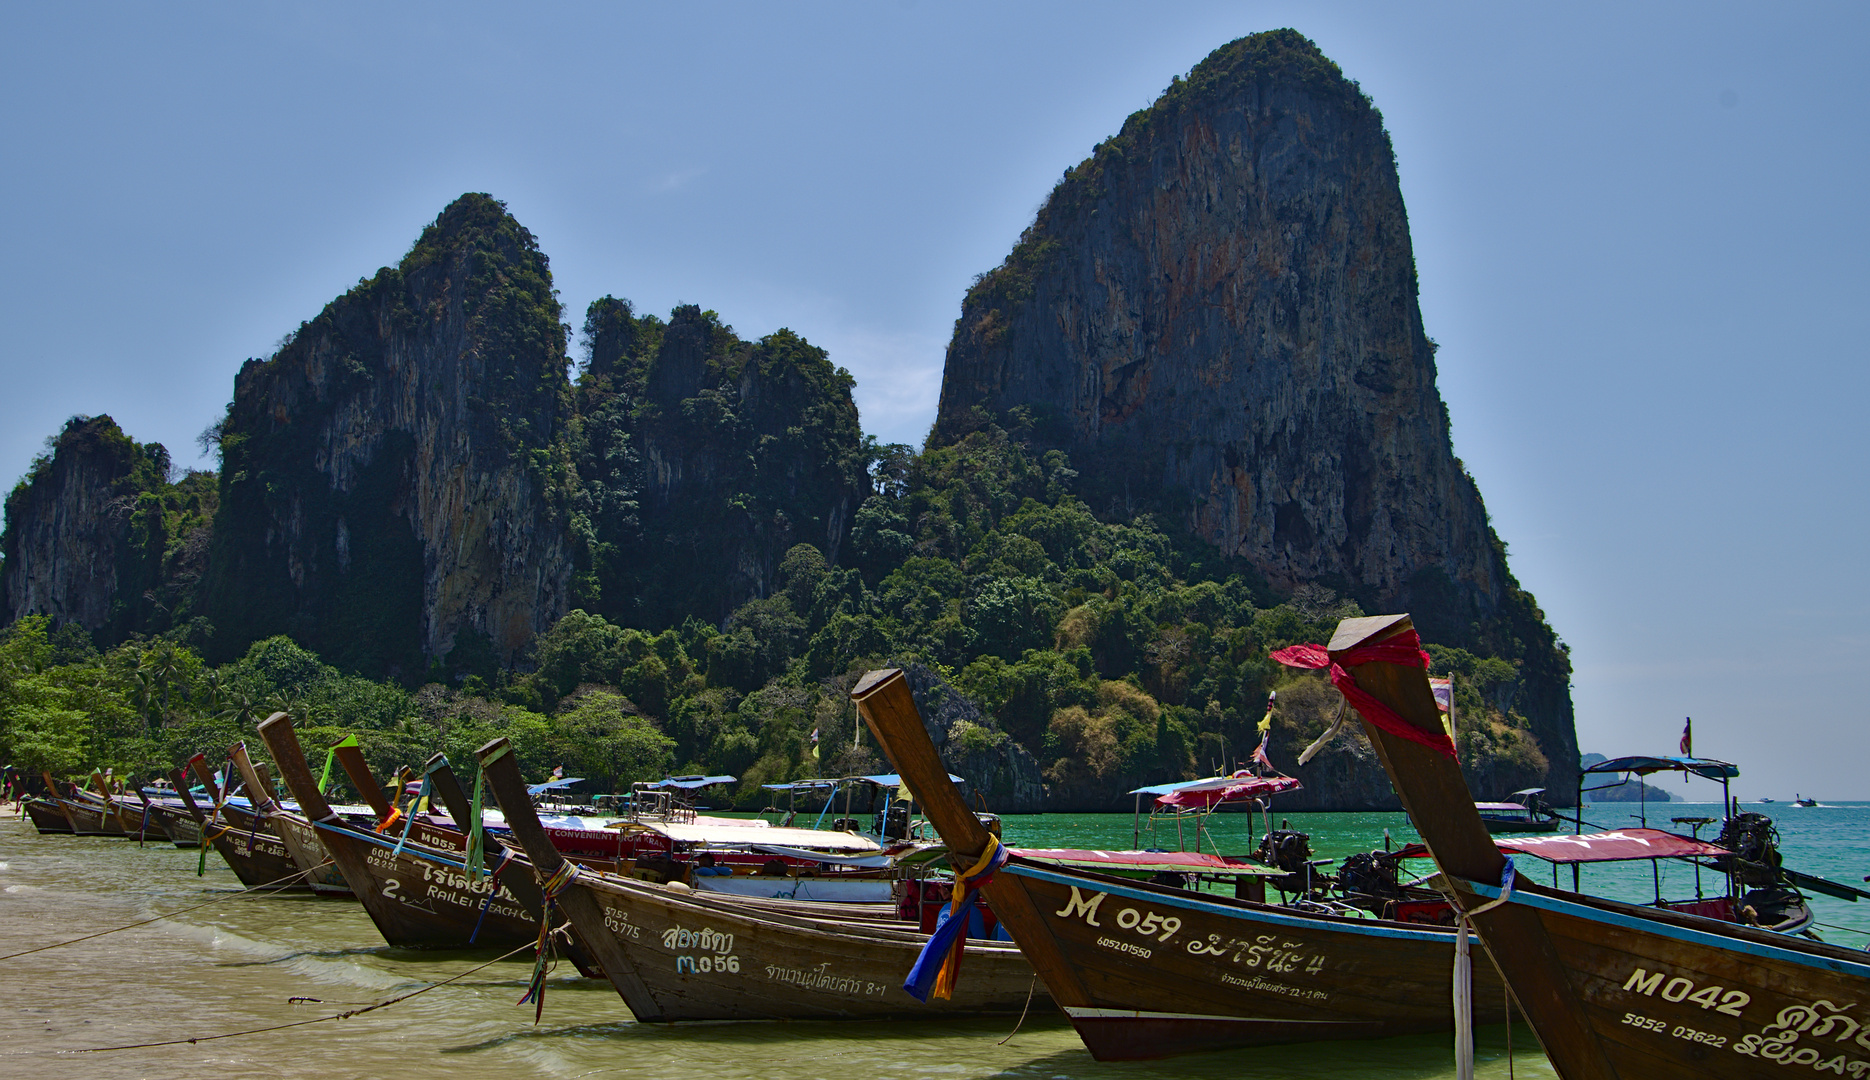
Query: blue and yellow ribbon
939 964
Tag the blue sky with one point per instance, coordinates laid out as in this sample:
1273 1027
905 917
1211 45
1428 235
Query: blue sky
1640 232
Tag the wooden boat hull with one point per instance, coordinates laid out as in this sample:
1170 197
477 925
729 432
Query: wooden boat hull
90 819
47 817
699 958
420 898
1146 971
176 822
256 855
1677 997
1159 971
301 850
1615 991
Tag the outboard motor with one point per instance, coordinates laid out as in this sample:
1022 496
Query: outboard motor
1290 851
895 823
1371 879
1755 845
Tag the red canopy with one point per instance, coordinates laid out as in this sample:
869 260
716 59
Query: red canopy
1611 846
1599 847
1227 789
1184 861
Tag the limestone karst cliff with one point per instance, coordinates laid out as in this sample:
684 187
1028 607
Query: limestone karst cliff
703 459
97 535
1215 314
392 478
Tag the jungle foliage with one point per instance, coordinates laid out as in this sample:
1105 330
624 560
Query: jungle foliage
1116 652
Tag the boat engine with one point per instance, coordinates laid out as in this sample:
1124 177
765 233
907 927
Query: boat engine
1371 879
1290 851
1754 842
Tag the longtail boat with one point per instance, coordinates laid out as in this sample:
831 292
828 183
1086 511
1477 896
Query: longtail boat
176 821
1147 971
302 841
47 816
417 895
89 816
48 811
255 855
674 954
1615 991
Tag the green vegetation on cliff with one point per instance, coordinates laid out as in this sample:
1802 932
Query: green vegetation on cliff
1118 653
97 532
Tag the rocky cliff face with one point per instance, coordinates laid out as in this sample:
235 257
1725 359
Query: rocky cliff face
704 458
1220 303
67 523
1215 314
392 478
1004 773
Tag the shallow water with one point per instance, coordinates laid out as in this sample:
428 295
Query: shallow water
238 963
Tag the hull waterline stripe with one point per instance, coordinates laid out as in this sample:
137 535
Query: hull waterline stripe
1323 923
1679 933
1081 1013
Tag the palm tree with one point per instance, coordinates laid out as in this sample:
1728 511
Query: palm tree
164 668
143 690
241 708
213 680
294 708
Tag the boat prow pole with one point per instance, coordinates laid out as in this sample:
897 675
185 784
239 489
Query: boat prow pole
365 781
887 705
587 915
1437 798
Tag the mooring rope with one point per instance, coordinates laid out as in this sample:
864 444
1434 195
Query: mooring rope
282 883
1022 1012
346 1015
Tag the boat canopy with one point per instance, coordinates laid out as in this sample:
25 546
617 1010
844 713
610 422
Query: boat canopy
689 783
871 862
1187 862
1530 791
887 780
746 836
535 789
1620 845
1500 807
1225 789
1707 768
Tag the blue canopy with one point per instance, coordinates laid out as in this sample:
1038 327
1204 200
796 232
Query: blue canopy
553 785
1164 789
880 780
1707 768
689 783
894 780
801 785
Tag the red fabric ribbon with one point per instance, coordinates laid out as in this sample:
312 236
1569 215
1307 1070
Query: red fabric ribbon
1404 648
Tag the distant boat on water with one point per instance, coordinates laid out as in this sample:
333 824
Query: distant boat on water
1766 800
1800 800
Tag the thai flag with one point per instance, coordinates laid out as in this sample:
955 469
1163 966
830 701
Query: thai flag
1688 737
1444 693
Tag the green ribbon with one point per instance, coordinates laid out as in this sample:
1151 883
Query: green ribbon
331 755
476 855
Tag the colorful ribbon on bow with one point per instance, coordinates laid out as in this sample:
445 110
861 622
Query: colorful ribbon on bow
1404 648
939 964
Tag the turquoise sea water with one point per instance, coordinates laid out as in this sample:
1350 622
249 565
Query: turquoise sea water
239 963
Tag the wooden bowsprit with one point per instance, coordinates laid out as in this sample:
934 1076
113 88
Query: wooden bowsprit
674 954
1616 991
1147 971
418 896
